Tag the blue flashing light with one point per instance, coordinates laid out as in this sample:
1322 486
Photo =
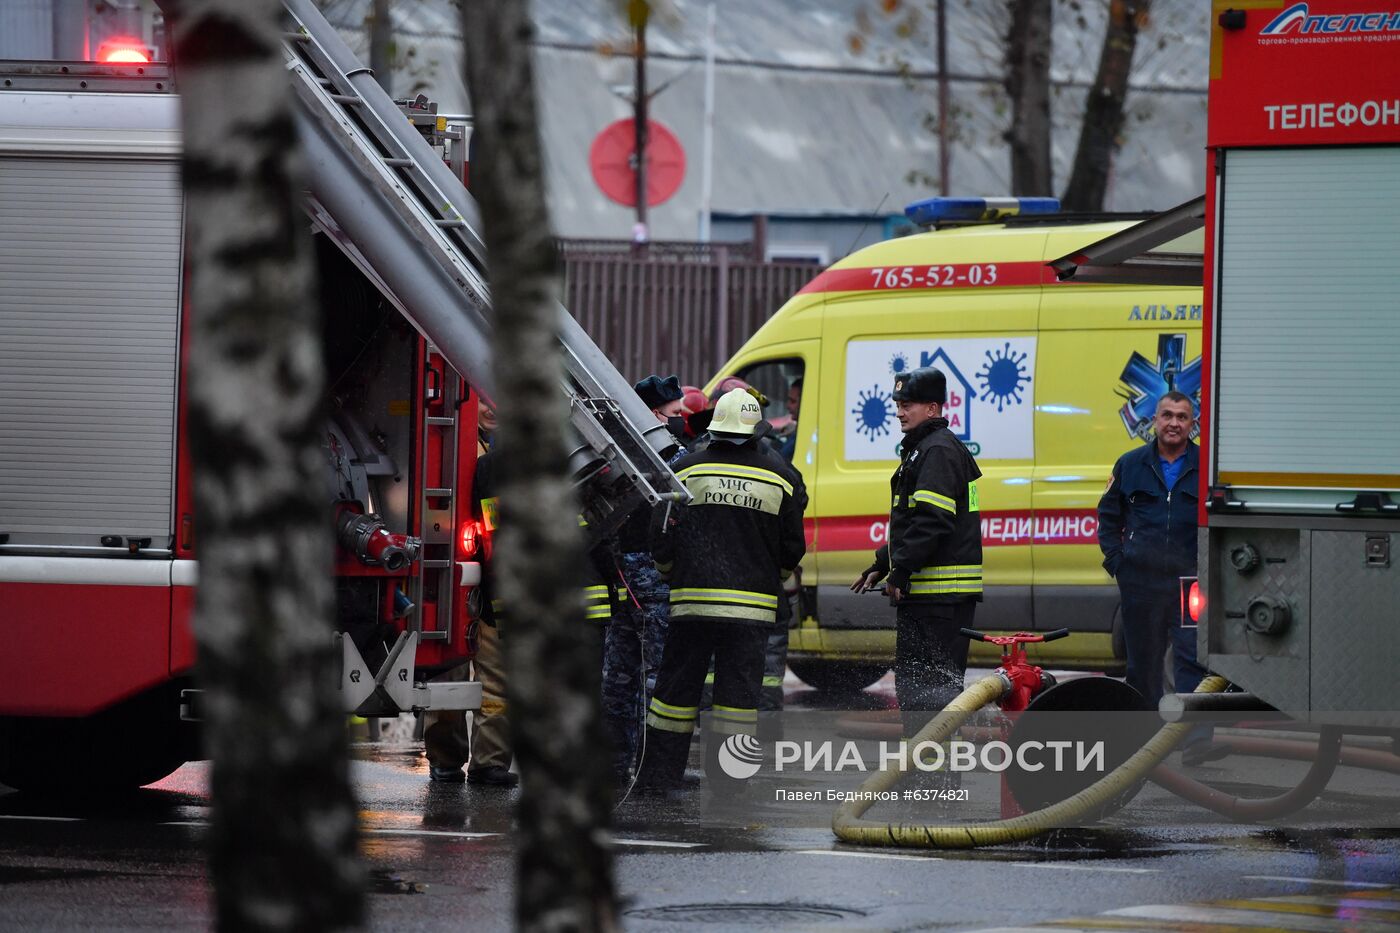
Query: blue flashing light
930 211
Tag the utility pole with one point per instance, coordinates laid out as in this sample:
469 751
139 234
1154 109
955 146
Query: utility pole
640 14
707 144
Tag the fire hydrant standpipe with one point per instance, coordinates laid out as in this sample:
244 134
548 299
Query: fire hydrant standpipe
849 826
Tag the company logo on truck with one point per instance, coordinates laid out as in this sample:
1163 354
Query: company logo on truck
1296 19
1145 382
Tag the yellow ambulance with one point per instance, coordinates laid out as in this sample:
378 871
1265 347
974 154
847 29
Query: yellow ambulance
1049 383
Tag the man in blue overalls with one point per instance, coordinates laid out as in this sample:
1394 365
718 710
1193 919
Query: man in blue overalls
1147 532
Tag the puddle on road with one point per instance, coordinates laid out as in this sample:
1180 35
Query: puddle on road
755 916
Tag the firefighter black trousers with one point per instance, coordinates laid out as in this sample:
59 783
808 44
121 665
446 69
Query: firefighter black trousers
737 650
930 657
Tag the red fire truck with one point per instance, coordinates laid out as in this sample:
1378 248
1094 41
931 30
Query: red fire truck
1300 430
98 554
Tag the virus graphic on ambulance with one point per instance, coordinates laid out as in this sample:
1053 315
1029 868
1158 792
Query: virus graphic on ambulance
873 413
899 363
1003 376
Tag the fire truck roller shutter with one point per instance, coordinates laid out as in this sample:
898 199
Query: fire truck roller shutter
1306 319
89 327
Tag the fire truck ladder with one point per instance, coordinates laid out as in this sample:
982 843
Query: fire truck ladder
413 222
441 511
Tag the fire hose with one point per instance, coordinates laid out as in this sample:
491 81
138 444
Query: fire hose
1324 755
849 825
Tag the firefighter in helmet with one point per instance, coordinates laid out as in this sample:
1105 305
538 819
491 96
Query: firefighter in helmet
739 536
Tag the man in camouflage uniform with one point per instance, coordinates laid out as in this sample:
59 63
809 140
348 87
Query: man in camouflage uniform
637 632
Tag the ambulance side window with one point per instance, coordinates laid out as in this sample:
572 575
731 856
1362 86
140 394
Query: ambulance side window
781 382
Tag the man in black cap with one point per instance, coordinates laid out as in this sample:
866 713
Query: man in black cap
932 565
663 397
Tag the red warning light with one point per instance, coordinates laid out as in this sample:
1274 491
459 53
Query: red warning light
123 51
1195 602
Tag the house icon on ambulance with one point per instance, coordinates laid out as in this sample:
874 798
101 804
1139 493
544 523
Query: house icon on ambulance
958 408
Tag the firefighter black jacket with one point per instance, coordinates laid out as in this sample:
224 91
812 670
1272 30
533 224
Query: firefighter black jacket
741 535
597 574
934 552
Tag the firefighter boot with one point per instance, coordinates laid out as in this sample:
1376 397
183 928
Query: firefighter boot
446 745
663 763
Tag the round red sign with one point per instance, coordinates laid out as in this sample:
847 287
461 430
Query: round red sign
610 158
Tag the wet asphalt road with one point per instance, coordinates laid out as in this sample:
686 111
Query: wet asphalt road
440 858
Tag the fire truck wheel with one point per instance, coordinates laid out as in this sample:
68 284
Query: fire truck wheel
118 749
837 677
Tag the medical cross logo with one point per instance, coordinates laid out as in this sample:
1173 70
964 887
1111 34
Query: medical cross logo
1146 382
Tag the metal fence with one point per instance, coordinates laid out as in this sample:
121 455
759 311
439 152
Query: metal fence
679 308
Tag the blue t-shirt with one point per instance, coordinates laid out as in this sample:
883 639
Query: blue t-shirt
1171 469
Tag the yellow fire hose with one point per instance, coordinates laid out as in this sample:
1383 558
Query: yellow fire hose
850 827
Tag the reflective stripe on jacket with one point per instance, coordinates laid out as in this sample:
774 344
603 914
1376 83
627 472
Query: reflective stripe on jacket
738 537
935 531
594 573
723 604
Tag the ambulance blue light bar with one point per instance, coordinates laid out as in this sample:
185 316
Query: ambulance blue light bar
930 211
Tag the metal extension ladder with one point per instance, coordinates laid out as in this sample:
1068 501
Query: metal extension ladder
410 224
439 507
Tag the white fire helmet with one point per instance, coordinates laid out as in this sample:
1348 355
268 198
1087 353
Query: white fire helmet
737 414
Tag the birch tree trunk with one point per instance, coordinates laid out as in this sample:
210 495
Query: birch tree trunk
1100 136
282 842
1027 83
564 869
